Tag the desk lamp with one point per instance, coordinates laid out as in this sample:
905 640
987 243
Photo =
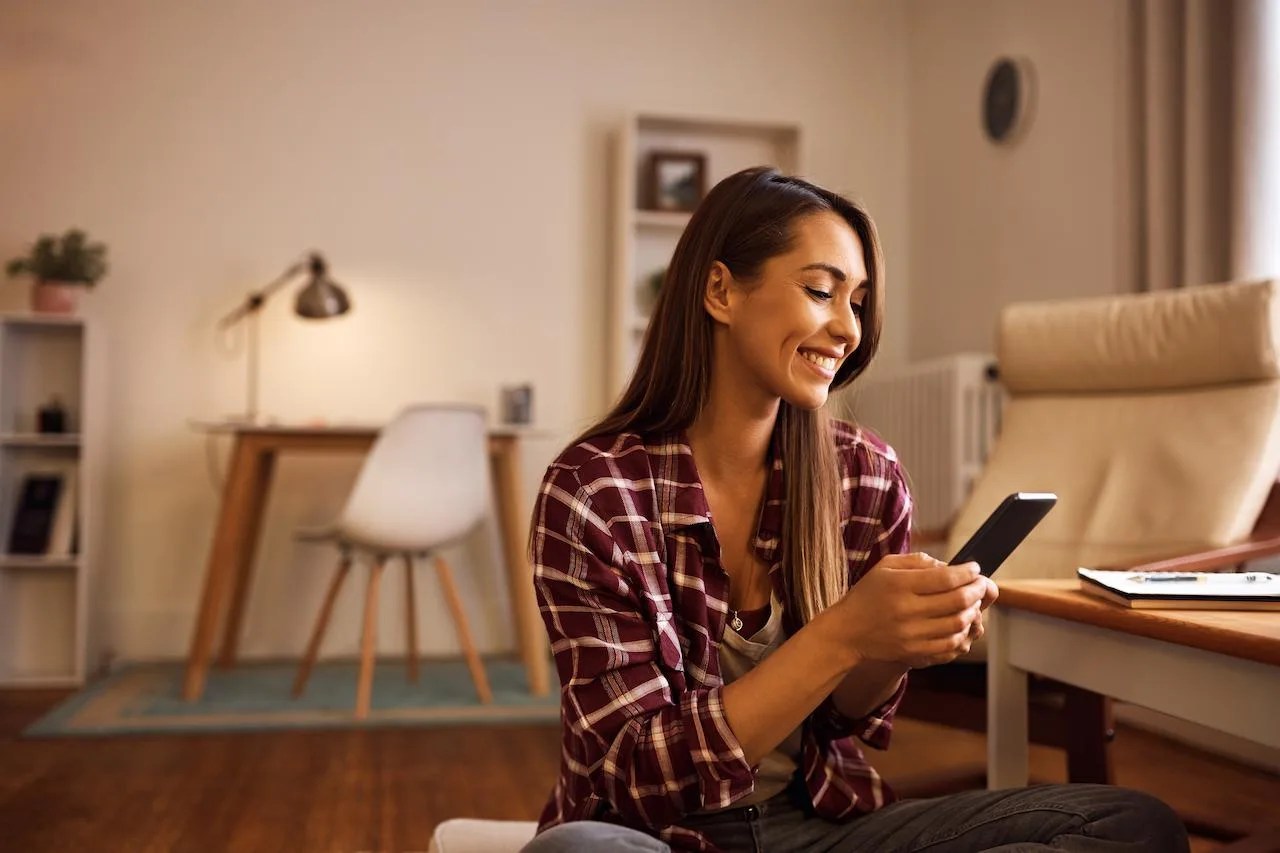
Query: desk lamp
321 299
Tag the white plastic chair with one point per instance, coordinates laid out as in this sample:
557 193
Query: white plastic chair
424 485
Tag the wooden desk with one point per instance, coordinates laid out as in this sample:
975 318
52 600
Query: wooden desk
1214 667
244 496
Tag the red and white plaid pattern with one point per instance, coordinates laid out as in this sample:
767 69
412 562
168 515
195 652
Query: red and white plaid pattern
626 571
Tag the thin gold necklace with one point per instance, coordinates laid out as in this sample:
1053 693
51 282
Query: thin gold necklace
735 621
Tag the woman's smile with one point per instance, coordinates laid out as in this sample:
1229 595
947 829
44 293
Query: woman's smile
820 363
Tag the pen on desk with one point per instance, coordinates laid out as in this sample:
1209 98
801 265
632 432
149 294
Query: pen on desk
1247 577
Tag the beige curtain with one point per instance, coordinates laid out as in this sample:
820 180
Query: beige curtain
1184 74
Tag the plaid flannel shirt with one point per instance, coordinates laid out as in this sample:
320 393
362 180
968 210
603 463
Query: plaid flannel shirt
629 587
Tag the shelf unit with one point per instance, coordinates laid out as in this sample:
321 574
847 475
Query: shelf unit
644 240
43 599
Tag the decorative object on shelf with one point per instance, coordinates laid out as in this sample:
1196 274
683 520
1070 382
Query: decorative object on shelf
675 180
51 417
517 404
1008 98
61 266
321 299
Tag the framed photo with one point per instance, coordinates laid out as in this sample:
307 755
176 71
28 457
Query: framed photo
675 180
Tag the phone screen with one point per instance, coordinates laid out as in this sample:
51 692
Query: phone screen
1004 530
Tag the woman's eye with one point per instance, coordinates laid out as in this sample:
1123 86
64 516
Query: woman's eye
857 308
820 295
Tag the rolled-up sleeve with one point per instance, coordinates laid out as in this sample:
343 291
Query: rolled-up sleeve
879 525
652 752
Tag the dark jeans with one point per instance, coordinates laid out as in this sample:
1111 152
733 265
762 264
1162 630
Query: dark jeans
1084 818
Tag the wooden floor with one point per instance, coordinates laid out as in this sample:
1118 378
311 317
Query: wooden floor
385 790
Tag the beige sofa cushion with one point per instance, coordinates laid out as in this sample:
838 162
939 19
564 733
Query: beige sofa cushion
1193 337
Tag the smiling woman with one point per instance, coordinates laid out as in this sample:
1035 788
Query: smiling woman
745 299
722 572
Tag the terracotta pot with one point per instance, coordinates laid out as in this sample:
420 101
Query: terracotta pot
55 297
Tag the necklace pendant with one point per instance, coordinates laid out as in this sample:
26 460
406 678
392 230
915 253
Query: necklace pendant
736 622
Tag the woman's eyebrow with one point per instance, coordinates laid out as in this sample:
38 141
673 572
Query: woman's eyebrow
836 273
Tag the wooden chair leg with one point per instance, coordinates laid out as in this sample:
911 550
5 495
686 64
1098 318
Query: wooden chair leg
464 634
364 688
326 610
411 618
1088 735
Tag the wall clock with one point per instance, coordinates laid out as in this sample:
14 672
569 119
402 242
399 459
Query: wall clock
1008 98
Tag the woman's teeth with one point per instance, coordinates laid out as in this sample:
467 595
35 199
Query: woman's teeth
824 361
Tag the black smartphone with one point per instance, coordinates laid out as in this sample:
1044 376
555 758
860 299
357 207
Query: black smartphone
1005 529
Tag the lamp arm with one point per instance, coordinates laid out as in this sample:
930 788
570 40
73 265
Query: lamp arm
254 301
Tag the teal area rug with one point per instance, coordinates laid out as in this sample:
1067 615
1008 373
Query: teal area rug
147 699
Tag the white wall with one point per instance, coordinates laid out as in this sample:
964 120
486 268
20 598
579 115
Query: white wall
449 158
1048 217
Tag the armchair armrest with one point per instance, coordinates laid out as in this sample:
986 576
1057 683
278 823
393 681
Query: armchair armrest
1213 560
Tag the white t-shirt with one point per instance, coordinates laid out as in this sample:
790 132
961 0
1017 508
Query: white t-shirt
737 656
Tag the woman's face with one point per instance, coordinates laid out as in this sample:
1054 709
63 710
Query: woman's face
792 329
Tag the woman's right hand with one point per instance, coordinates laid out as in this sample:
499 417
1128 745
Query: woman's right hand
910 609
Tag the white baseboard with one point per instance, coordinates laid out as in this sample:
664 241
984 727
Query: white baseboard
1210 740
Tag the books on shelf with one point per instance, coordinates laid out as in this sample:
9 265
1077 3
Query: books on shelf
44 517
1184 590
62 540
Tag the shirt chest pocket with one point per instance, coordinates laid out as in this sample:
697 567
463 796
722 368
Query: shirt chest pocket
670 654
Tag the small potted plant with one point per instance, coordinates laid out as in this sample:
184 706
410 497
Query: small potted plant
61 266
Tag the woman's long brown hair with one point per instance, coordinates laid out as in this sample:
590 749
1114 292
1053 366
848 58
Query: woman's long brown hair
746 219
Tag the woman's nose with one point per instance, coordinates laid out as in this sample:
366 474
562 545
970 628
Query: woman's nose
845 326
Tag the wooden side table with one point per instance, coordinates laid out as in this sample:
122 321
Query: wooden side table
1218 668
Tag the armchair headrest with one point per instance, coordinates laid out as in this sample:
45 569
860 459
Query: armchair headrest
1196 336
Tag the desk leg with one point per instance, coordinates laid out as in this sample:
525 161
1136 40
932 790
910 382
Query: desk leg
250 519
505 458
219 574
1007 751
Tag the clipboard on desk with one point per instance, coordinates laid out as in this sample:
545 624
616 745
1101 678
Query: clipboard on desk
1184 590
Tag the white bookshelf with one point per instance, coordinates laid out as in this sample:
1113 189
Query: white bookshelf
43 599
644 240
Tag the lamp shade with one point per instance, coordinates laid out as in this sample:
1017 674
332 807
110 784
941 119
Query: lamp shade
322 297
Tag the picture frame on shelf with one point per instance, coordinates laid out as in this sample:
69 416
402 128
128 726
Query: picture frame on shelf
675 180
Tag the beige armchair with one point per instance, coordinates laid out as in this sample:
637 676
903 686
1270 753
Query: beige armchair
1156 420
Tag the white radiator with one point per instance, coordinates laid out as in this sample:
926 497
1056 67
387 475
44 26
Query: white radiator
941 416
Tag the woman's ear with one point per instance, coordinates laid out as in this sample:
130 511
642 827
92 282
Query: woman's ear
716 297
